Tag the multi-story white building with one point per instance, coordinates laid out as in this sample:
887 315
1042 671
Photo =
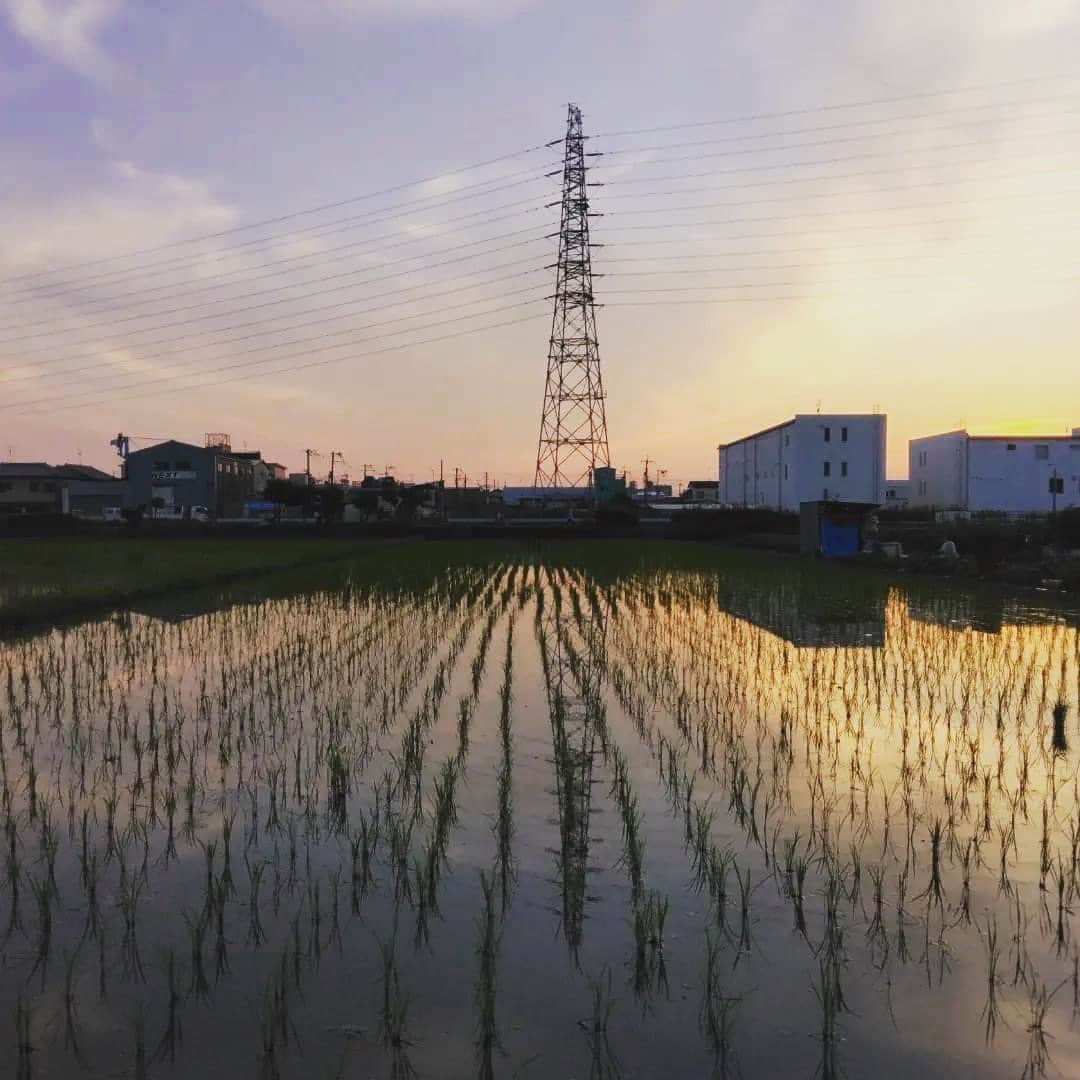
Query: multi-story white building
1013 473
811 457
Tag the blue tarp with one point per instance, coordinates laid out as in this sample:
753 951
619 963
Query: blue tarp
838 540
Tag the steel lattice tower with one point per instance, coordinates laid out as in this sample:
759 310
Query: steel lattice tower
573 427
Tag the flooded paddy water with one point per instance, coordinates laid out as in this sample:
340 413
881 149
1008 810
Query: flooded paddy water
541 815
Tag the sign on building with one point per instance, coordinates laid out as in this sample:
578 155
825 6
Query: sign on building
167 476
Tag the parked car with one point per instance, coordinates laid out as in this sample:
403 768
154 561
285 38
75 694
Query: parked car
114 515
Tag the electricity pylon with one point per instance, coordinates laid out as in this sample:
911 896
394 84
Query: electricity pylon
573 426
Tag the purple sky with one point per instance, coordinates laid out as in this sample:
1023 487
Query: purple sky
913 255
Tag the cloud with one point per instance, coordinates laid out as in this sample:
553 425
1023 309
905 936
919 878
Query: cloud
138 208
66 30
395 10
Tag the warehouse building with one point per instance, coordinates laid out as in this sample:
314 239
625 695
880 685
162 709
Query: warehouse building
810 458
38 488
183 476
1010 473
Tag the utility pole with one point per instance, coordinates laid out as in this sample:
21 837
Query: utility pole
365 467
647 462
307 467
573 426
389 469
334 455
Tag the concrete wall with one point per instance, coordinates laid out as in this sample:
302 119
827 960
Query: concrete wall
752 471
781 467
1011 475
853 447
1008 473
937 467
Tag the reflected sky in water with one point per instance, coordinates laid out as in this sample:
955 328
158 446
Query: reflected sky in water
546 818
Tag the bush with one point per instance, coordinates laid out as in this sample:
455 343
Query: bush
725 524
1066 528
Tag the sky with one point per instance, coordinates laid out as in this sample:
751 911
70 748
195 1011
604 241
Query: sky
327 224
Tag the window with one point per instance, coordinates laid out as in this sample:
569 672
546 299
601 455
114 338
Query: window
49 485
787 440
785 472
1042 451
828 469
161 464
843 468
5 485
183 464
825 493
1010 446
890 493
828 434
843 434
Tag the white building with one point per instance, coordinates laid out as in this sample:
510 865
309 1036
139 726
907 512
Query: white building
897 493
811 457
1013 473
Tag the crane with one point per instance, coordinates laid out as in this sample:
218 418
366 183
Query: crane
123 442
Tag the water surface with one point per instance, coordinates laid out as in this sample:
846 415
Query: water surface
536 815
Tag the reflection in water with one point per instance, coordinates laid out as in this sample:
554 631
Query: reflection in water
314 835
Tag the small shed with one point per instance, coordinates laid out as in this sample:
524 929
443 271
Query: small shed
834 529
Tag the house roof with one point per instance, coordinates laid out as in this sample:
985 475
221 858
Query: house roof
998 438
26 468
83 472
156 448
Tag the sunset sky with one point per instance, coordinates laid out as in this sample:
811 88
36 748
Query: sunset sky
325 223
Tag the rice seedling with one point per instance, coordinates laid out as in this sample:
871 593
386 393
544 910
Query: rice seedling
487 1034
717 1015
24 1048
604 1065
1038 1051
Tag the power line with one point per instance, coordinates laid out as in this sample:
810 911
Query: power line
265 292
198 260
864 104
320 320
536 207
258 363
744 151
848 124
539 230
859 174
112 323
738 203
111 397
279 218
843 227
847 194
894 133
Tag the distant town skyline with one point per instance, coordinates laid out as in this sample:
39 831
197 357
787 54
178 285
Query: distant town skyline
849 206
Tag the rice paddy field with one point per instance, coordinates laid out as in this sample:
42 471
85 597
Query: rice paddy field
606 811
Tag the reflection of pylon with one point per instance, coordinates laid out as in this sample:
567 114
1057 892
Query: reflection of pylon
573 426
573 704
